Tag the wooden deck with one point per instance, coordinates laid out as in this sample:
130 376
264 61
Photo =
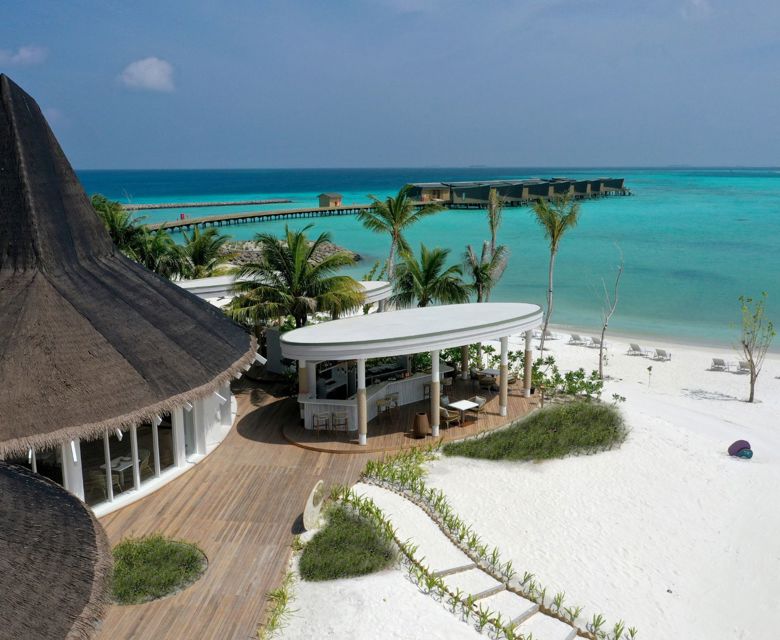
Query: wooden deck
392 431
241 505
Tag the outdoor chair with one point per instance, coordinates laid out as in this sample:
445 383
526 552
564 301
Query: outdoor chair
392 400
743 367
320 421
340 421
447 418
719 364
662 355
444 401
382 406
487 382
595 343
635 350
577 339
480 402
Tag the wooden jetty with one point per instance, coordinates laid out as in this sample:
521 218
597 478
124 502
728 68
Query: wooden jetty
226 219
187 205
452 195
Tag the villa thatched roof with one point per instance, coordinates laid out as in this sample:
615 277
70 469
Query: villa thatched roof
55 560
89 339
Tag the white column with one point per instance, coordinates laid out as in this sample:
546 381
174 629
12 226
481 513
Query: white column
156 447
311 370
464 362
71 468
361 402
303 378
381 306
179 452
109 478
528 369
503 394
435 393
134 454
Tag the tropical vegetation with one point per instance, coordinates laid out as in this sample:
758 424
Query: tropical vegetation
394 216
486 269
348 545
428 280
203 253
287 281
153 567
553 432
756 336
555 217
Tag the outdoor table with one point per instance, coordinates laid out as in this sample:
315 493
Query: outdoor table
123 463
463 406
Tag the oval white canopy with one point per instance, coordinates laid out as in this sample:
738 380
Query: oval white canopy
408 331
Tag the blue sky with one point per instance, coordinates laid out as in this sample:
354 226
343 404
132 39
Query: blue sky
346 83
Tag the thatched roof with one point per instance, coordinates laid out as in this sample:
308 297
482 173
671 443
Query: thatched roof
89 340
55 560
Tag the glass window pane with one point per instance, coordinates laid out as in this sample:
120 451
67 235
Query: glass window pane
93 471
49 463
121 462
145 451
165 439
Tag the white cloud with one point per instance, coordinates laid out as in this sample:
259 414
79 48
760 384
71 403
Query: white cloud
149 74
26 55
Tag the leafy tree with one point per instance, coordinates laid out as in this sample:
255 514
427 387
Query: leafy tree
555 217
286 280
608 310
122 226
157 251
393 216
494 211
429 280
756 337
486 270
203 254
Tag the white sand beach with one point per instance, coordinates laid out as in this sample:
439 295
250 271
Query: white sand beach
667 532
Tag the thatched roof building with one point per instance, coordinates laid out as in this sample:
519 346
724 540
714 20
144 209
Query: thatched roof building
89 340
55 560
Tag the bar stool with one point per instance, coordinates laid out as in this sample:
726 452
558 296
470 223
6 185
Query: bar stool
340 421
393 400
382 406
320 421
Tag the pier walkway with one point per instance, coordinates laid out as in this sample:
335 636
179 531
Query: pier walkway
189 205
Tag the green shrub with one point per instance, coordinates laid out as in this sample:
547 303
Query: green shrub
152 567
346 546
553 432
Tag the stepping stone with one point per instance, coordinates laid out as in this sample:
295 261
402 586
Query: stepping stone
447 572
510 605
475 582
546 628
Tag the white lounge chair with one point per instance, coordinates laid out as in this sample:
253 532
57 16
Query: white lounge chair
595 343
662 355
743 367
719 364
576 338
635 350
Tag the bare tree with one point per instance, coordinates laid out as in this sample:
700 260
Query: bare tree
610 304
757 335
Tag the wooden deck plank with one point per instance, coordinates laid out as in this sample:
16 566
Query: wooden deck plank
241 506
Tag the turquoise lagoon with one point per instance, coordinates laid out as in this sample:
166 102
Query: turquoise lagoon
693 240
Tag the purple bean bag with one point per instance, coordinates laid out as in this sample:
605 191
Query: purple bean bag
738 446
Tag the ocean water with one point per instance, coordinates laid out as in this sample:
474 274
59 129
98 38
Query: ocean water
693 240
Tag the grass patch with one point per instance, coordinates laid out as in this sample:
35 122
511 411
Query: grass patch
347 546
279 602
554 432
153 567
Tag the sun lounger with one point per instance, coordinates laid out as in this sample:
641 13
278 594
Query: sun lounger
743 367
662 355
719 364
576 338
635 350
595 343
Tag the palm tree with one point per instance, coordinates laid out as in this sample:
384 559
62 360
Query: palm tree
494 211
203 254
485 271
555 218
120 223
429 280
286 281
394 216
157 251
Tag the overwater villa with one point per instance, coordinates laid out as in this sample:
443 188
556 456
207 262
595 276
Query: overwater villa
353 370
114 380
